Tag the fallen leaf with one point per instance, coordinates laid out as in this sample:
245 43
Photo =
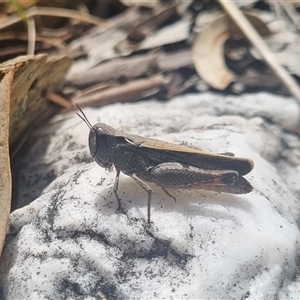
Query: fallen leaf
33 75
208 54
22 84
208 48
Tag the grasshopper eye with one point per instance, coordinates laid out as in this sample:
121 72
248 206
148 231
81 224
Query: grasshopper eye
230 178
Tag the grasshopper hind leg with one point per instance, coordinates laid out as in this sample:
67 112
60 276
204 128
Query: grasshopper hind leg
168 193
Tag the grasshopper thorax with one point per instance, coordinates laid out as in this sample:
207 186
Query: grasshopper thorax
101 143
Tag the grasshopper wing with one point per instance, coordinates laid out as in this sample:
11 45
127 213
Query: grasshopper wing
161 151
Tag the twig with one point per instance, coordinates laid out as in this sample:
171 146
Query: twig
276 8
131 67
130 91
55 42
128 68
95 88
58 100
256 40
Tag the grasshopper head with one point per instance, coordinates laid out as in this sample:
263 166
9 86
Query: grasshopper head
101 141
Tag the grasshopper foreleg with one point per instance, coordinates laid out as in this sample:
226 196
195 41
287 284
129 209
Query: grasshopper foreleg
116 186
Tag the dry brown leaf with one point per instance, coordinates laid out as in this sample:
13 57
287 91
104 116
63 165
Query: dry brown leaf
208 54
33 75
208 49
5 175
25 69
22 84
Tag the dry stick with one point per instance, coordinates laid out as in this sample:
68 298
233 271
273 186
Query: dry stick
256 40
277 8
13 51
58 100
95 88
145 27
131 67
55 42
130 91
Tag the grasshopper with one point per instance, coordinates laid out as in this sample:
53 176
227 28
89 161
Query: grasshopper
165 164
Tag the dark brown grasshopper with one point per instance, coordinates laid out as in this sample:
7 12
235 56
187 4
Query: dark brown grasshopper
165 164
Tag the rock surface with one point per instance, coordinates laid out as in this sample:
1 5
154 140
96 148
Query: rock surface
70 243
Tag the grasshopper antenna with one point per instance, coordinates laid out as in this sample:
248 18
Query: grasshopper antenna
83 117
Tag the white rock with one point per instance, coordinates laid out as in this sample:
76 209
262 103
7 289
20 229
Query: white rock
70 242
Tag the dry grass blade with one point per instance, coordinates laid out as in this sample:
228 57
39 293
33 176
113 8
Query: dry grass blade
55 12
31 36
